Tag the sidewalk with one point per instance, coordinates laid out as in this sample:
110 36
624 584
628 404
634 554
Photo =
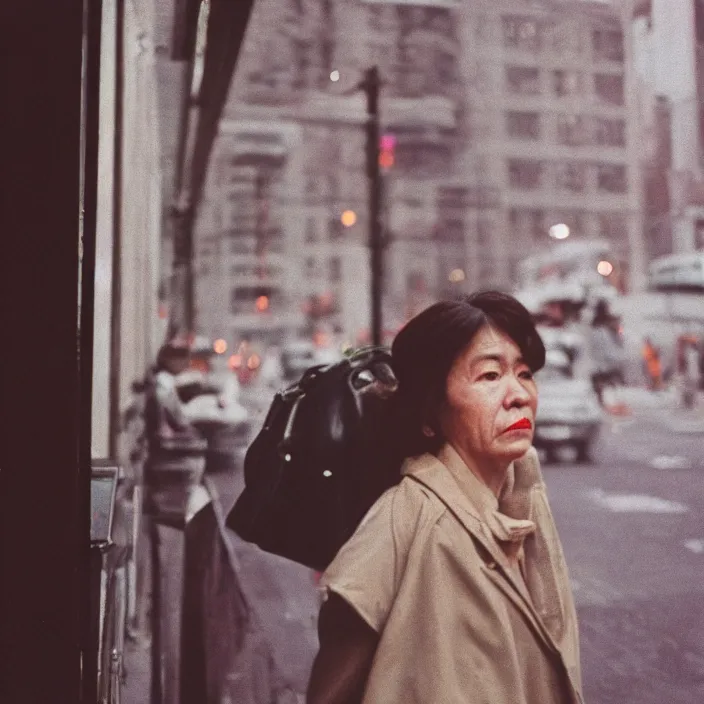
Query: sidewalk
272 663
664 408
136 672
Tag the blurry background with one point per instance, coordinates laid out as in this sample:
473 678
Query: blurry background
548 148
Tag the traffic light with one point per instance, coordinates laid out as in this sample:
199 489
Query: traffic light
387 144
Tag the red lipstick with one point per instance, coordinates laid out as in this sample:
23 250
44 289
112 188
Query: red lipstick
523 424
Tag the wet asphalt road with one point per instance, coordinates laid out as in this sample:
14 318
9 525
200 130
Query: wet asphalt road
632 525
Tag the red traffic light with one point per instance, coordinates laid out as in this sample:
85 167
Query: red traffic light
387 144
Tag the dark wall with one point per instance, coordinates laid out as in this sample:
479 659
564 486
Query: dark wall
44 512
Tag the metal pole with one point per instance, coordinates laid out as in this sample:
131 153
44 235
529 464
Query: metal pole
156 691
371 85
92 36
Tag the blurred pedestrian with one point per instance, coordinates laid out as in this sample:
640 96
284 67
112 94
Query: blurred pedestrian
454 587
165 416
606 351
652 365
688 367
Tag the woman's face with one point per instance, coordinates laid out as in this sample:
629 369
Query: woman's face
489 389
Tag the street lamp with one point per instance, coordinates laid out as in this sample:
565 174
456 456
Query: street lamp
559 231
605 268
348 218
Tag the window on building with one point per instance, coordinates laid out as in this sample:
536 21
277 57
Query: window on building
243 298
523 80
613 227
607 44
333 184
445 67
699 21
608 88
574 219
451 231
311 231
335 269
699 232
310 266
521 33
301 62
242 245
566 83
572 130
484 236
275 241
242 270
611 178
610 132
439 20
422 159
528 222
335 228
525 174
377 19
571 176
416 282
523 125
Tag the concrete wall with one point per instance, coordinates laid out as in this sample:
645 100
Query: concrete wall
141 329
103 264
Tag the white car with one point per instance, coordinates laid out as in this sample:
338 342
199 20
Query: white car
296 358
569 414
212 400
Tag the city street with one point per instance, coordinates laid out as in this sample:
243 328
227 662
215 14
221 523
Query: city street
633 532
632 525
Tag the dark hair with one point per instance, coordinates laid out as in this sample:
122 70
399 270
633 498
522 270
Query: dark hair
170 351
425 349
602 314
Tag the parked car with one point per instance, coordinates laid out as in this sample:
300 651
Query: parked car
296 358
566 338
211 401
569 414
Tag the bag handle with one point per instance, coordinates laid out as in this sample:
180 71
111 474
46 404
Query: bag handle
285 444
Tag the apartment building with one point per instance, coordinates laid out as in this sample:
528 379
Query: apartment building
505 118
668 47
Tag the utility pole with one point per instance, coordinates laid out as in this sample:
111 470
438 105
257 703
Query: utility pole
183 313
370 85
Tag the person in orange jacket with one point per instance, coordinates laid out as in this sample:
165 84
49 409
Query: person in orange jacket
653 365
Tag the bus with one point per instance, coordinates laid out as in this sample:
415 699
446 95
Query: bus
575 262
677 273
672 307
571 275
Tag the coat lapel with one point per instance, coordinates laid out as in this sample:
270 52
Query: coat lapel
432 474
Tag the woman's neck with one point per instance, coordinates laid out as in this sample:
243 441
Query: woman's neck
493 474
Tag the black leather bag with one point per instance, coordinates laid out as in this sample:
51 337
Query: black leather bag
322 458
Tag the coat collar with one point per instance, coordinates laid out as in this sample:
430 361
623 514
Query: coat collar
477 509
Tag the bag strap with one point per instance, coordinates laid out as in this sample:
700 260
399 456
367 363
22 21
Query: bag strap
285 443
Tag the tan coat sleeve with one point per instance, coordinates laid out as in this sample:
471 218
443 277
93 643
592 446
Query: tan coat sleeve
368 569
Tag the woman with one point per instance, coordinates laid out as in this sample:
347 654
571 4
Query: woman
454 588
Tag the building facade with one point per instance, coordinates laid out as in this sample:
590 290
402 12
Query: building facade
130 323
668 46
504 118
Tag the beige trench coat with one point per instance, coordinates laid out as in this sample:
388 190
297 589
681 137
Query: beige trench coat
458 622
